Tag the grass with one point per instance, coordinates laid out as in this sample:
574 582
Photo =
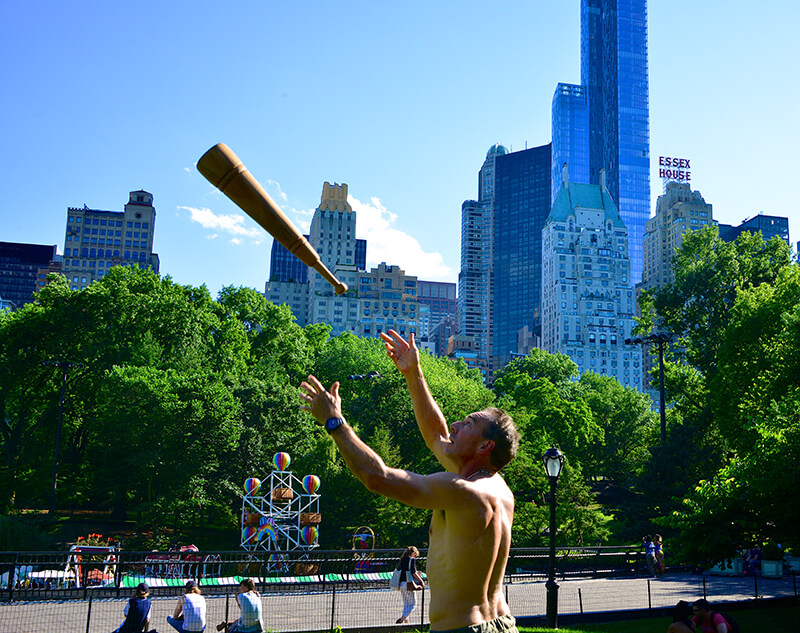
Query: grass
774 620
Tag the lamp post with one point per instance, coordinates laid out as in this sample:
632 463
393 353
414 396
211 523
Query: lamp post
553 460
661 340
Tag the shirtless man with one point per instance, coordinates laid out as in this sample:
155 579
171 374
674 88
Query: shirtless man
473 508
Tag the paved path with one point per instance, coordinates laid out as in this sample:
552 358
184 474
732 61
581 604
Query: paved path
311 611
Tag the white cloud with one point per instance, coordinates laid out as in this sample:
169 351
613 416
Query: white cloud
301 218
236 241
187 170
391 245
232 223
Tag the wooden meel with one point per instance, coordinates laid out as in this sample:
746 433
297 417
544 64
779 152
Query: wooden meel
282 494
223 169
310 518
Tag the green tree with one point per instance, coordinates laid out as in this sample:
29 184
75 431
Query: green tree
735 308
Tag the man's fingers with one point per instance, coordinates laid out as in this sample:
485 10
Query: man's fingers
335 389
316 383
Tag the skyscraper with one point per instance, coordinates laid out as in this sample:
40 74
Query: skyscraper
521 206
471 282
475 278
614 73
587 296
284 266
570 131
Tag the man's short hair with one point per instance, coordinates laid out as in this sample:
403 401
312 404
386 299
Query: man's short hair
702 603
500 429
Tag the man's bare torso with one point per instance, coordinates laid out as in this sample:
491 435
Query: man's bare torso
467 556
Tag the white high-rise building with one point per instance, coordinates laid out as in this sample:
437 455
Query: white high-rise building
588 299
475 285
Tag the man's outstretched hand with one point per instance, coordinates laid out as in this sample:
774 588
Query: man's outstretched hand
322 404
404 353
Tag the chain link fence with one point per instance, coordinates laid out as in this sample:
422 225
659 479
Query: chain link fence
319 591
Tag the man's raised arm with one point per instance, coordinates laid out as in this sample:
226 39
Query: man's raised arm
442 491
430 420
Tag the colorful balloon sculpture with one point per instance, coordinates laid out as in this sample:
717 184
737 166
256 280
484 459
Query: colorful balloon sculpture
248 532
311 484
281 461
309 534
266 529
251 485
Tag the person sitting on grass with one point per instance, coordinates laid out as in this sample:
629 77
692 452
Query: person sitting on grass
251 619
707 621
681 618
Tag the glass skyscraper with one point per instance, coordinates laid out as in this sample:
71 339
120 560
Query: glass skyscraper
521 207
570 135
614 73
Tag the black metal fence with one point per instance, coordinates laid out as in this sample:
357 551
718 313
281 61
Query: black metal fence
321 590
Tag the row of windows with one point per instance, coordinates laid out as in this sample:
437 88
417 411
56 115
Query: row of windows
102 222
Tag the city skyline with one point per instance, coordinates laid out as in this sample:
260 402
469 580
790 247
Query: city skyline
108 100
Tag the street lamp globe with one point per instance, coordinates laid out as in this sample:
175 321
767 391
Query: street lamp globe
553 462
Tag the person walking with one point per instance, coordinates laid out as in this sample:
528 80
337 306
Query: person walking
650 554
410 582
658 544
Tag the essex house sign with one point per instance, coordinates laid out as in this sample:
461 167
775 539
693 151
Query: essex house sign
670 168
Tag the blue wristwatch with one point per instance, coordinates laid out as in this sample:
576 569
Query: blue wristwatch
331 424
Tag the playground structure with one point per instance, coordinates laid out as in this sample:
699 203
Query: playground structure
182 562
94 576
281 514
364 548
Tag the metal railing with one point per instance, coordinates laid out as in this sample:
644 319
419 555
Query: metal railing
320 590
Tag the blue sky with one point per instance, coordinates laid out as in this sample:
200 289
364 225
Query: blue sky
398 100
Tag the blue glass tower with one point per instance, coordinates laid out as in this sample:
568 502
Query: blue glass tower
614 73
570 135
521 206
283 266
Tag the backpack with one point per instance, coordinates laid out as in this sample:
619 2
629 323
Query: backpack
733 625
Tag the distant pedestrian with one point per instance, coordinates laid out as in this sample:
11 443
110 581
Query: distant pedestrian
190 612
650 554
410 581
658 543
137 611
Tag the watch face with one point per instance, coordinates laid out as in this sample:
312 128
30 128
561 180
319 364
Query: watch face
331 424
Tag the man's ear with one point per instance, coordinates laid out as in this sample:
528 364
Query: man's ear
486 447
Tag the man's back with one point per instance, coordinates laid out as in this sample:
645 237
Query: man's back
468 553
